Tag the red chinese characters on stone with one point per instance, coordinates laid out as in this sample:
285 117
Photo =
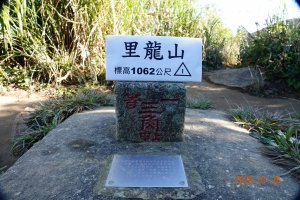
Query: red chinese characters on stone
149 115
149 120
131 101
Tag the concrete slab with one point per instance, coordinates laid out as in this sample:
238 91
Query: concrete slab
72 160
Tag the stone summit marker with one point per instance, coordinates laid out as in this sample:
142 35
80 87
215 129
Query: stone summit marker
150 105
150 111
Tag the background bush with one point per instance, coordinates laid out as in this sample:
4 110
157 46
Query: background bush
220 45
276 49
63 41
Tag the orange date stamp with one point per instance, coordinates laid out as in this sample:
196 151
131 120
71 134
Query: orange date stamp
249 180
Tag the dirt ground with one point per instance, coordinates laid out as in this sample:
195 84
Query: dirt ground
225 98
13 104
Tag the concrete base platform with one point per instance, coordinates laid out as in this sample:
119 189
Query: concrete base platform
71 162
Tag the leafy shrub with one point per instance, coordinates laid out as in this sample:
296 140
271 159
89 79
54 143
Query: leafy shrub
220 45
276 49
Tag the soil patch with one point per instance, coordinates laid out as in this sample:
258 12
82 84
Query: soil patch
15 105
225 98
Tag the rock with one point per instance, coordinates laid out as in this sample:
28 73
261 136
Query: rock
29 109
236 78
150 111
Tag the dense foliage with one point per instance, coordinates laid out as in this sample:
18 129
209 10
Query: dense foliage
276 49
220 45
63 41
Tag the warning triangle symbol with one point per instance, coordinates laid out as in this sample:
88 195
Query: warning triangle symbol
182 71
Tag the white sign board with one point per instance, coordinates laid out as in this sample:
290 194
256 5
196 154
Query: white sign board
153 58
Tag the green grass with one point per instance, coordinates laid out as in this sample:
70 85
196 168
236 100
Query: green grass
295 115
280 134
2 169
199 103
255 120
63 42
48 115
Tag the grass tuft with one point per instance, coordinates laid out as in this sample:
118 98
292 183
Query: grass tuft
199 103
3 169
255 119
295 115
280 135
49 114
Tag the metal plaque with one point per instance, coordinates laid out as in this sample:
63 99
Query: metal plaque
146 171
